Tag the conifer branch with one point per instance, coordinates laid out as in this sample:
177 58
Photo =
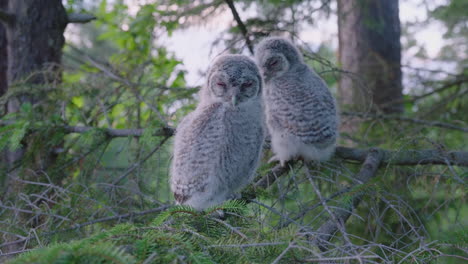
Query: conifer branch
92 222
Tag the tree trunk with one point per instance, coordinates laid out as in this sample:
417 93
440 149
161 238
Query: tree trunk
35 42
370 50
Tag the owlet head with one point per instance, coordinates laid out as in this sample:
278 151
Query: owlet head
233 79
275 56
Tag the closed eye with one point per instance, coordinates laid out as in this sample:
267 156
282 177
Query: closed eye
221 84
272 63
247 84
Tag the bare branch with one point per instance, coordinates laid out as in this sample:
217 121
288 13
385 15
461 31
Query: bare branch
80 18
340 259
33 212
408 157
241 25
459 80
406 119
367 172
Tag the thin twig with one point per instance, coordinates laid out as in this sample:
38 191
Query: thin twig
32 212
278 259
241 25
267 244
367 172
138 164
340 259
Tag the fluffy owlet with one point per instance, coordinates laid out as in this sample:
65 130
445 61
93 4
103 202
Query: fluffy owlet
217 146
300 111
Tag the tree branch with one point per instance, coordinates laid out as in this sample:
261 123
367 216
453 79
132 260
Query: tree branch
6 17
406 119
390 157
367 172
80 18
240 25
408 157
266 181
111 132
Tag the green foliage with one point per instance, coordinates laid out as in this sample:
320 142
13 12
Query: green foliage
198 238
77 252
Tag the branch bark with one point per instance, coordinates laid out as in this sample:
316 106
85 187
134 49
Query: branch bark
241 25
80 18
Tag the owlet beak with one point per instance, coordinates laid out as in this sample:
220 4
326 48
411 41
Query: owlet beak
234 100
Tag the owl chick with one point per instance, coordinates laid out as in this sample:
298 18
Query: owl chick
217 146
301 113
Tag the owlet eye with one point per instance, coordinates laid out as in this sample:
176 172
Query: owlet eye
247 84
221 84
272 63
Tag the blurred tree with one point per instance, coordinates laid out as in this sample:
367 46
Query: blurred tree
370 50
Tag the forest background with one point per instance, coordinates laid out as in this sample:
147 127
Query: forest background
91 92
